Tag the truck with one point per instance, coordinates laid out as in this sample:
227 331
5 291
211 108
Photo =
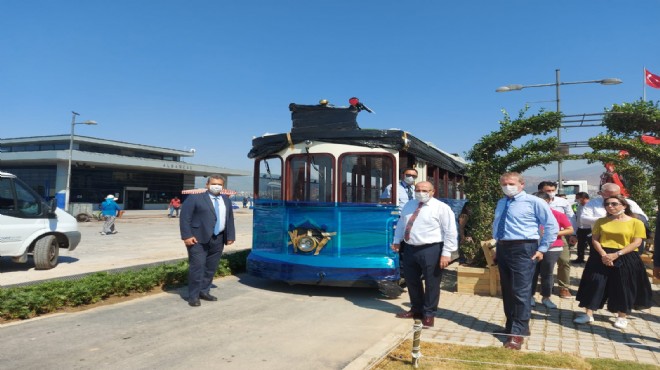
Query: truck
30 226
572 187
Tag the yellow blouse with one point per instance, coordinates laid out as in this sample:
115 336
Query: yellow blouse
618 234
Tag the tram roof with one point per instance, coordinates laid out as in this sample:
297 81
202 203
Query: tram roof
339 126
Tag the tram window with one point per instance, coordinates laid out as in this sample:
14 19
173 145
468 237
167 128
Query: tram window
311 177
269 178
364 176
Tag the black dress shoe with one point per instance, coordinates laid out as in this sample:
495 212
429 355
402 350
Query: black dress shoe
194 303
207 297
408 315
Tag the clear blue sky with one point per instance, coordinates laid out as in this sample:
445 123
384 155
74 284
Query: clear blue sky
212 74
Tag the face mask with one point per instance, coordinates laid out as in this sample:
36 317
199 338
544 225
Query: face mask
409 180
552 194
619 213
215 189
510 190
422 197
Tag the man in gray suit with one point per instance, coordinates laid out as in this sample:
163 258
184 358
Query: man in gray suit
207 225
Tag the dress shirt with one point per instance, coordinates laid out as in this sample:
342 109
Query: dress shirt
578 220
223 210
402 193
526 213
564 206
435 223
594 210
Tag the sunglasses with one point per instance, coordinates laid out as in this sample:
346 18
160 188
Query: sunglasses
612 204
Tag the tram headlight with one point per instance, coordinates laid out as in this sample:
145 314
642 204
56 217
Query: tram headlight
307 243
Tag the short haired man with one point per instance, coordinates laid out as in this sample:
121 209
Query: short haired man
564 263
520 246
583 231
405 187
207 225
427 233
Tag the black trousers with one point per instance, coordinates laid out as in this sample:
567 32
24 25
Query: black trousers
421 266
203 261
584 240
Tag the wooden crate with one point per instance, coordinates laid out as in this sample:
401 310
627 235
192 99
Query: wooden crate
479 280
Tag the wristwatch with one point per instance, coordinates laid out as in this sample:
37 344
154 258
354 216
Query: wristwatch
619 253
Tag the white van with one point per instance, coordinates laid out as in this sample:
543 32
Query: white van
30 226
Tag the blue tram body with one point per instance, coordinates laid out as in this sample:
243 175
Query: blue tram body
319 215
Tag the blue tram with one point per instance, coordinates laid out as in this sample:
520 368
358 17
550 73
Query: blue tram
319 215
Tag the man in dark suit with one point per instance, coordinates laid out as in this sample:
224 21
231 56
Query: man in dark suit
207 225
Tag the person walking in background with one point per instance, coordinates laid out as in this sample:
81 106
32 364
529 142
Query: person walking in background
564 263
109 211
207 225
520 246
615 273
426 232
405 188
583 232
175 206
546 267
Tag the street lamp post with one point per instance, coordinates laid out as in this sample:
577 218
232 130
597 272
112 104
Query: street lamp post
68 172
557 84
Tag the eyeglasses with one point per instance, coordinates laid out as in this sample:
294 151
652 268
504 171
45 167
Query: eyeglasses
612 204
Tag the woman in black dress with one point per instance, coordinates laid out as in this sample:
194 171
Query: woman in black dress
616 273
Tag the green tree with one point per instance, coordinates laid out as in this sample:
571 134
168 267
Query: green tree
503 151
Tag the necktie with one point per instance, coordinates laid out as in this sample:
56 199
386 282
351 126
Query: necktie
216 229
410 192
406 234
500 225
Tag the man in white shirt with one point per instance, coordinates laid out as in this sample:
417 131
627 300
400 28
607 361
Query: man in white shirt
427 233
564 263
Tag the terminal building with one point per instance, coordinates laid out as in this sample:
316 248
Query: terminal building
141 176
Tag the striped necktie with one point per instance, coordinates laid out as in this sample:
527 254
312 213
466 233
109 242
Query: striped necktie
409 225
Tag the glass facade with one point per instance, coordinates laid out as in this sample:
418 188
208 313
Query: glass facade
40 178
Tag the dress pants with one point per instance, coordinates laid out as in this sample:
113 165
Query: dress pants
516 270
203 261
564 268
423 262
584 240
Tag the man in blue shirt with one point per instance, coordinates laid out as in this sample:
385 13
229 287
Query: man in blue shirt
520 245
405 188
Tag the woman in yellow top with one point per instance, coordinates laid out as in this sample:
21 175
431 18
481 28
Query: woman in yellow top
615 273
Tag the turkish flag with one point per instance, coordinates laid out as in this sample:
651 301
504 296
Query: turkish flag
652 80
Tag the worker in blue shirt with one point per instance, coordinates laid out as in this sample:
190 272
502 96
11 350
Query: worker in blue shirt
520 245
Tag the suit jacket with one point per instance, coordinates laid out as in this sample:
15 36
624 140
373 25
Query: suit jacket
198 218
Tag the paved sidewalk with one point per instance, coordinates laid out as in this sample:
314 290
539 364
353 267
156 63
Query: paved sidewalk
471 320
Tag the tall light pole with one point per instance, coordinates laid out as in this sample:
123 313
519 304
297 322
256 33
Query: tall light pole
557 84
68 171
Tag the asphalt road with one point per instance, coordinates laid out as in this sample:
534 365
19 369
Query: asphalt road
256 324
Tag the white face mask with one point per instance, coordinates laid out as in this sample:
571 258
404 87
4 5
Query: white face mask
215 189
422 197
409 180
510 190
552 194
619 213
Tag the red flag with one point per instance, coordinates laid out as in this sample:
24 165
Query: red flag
651 79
